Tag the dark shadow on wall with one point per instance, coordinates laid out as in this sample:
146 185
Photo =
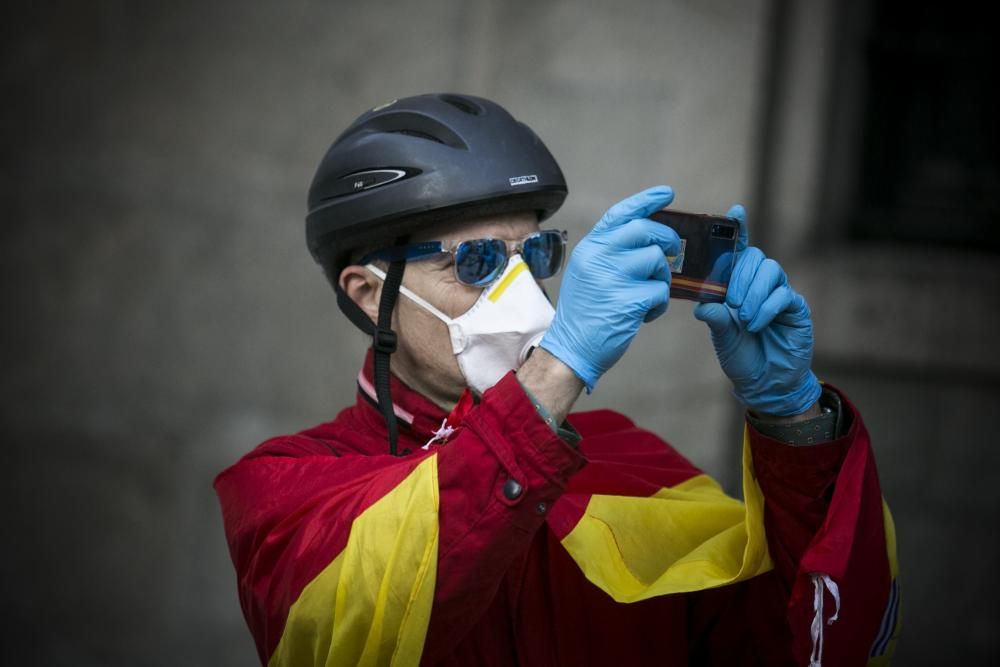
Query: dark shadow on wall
902 269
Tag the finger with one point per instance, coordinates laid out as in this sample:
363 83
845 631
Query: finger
652 264
743 239
642 264
655 312
769 277
743 273
655 297
717 316
796 313
775 304
639 205
641 232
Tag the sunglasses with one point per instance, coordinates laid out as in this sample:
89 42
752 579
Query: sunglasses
478 262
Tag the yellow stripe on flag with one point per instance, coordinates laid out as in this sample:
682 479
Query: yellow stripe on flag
688 537
889 526
372 604
890 539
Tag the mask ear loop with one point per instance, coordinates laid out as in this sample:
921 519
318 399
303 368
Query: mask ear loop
412 296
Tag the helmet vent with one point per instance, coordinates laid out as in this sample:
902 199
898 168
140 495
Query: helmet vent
463 104
418 134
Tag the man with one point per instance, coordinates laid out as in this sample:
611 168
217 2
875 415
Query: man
458 514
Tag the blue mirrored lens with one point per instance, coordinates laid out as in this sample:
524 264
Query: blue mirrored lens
479 262
543 253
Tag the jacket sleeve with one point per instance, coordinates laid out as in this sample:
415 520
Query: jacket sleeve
384 560
831 539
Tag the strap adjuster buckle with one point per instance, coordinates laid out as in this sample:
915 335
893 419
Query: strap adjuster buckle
384 340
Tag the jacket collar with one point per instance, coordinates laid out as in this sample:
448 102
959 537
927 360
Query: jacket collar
418 418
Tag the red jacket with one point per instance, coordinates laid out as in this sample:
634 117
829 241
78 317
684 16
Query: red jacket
507 546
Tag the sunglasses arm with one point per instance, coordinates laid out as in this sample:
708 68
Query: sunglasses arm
405 252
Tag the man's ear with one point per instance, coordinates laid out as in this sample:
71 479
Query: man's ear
363 288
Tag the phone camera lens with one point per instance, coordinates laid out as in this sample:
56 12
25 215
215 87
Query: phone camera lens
723 232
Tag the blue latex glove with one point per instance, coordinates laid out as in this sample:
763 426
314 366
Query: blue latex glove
763 334
617 279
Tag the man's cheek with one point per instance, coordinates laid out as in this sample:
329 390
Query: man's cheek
462 299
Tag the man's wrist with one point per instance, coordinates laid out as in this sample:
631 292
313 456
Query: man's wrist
787 406
551 383
825 426
811 412
581 368
565 430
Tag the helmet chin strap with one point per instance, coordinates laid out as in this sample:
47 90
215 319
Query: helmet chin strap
383 340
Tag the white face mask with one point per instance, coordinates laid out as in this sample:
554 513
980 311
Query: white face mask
496 334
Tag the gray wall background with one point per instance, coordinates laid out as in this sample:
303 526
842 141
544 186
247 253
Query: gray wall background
163 316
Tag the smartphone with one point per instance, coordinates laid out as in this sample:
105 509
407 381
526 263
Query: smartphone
702 270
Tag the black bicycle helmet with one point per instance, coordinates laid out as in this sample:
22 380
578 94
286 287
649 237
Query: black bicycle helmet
425 159
410 163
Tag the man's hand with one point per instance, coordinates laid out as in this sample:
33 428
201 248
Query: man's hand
763 334
617 279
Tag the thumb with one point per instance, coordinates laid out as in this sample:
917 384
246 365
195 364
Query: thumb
716 316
